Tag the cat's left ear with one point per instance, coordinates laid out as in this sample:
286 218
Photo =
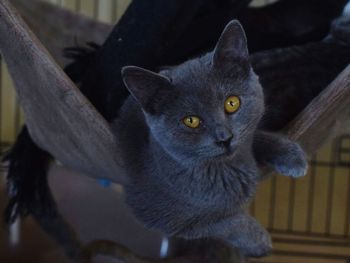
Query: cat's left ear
231 49
149 88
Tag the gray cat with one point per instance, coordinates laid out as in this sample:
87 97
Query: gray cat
192 146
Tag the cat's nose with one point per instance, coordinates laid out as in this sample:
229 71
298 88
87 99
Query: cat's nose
223 136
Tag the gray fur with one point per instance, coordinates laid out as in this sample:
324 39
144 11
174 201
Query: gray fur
195 183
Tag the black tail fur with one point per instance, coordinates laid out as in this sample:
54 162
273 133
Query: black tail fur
28 188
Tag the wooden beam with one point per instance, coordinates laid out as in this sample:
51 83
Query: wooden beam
325 116
59 118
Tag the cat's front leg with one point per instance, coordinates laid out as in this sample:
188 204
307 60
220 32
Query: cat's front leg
245 233
279 153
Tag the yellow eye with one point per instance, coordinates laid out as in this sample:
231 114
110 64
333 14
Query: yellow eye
192 121
232 104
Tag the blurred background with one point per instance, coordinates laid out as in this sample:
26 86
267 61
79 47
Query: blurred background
309 218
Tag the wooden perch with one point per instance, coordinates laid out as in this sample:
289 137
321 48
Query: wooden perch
325 117
47 95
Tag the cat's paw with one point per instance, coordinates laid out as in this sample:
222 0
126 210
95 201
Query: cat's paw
292 162
259 246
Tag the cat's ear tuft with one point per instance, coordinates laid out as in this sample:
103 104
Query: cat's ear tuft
147 87
231 49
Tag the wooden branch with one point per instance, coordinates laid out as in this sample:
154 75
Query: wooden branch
325 116
59 118
58 28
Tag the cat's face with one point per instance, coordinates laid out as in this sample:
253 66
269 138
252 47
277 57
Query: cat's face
205 108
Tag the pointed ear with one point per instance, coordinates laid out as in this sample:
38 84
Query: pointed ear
147 87
231 49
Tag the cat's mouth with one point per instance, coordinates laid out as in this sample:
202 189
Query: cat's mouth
226 152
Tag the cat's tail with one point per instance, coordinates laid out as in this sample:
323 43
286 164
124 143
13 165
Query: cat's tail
27 184
29 192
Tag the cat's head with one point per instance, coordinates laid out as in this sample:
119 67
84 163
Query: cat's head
205 108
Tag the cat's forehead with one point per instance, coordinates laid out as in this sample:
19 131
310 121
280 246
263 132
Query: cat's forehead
197 77
195 85
191 73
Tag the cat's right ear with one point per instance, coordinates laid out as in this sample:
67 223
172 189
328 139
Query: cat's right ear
147 87
231 51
